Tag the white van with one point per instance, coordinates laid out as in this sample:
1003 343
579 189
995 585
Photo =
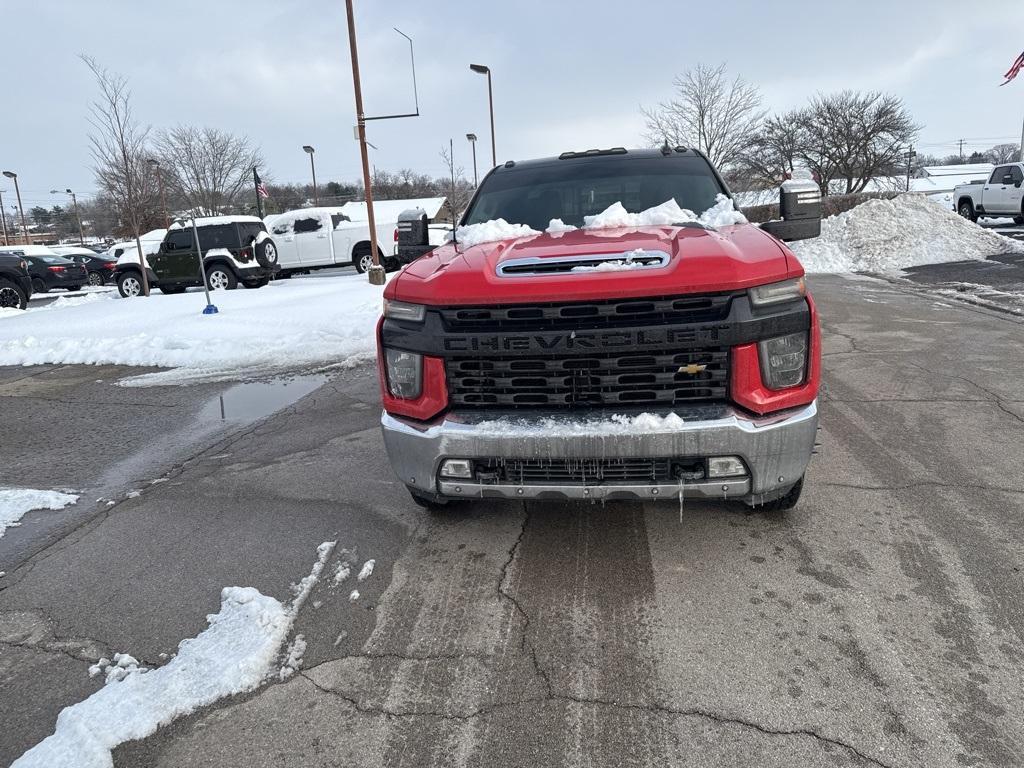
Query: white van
315 238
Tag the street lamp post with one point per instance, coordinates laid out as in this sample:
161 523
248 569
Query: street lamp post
74 204
472 142
312 166
21 209
155 165
3 219
480 69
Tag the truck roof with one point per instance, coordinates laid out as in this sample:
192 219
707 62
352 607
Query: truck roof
602 155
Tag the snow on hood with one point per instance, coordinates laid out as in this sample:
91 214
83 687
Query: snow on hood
721 214
615 216
890 235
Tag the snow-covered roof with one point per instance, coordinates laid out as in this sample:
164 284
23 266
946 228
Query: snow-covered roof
977 169
29 250
388 210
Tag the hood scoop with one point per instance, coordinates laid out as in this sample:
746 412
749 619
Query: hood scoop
627 261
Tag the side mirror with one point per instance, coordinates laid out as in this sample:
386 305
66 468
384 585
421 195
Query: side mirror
800 209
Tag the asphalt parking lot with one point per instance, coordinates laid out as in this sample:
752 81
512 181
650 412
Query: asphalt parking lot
877 624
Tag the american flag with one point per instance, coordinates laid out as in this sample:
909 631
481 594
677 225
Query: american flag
1012 72
261 188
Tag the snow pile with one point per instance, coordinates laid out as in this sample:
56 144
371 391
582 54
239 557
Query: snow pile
889 235
15 502
721 214
286 325
234 654
114 671
557 227
490 232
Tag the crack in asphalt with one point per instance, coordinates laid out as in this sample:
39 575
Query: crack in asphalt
654 709
994 397
526 645
44 648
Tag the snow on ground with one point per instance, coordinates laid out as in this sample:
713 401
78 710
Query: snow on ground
15 502
367 570
236 653
288 324
890 235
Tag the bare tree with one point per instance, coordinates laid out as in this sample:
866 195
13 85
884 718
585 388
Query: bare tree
771 154
119 151
709 112
1003 153
205 167
853 137
457 189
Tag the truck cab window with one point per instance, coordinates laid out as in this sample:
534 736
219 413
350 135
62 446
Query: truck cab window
307 225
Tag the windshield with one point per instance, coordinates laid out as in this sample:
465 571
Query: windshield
574 188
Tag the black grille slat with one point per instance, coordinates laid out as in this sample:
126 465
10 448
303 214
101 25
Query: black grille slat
591 471
588 315
591 380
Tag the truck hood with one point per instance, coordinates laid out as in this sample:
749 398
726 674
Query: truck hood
698 261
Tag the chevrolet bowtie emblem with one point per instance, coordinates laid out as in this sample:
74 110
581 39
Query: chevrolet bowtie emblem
691 369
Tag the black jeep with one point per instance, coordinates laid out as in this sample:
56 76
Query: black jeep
236 249
15 283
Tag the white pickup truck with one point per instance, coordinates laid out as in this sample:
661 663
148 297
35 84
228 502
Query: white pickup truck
316 238
1001 194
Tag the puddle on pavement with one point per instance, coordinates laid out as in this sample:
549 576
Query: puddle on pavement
257 399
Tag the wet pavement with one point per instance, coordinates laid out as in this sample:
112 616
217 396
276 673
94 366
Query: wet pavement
877 624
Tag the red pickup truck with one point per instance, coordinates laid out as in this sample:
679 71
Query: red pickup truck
587 336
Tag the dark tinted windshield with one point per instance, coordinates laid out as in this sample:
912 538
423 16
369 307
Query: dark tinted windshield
571 189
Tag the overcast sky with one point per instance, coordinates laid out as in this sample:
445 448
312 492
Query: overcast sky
567 75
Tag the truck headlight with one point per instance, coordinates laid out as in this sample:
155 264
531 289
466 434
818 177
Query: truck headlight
405 373
401 310
776 293
784 360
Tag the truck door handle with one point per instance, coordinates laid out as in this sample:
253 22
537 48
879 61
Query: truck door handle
321 236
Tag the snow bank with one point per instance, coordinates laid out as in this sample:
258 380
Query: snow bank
287 325
234 654
890 235
15 502
490 232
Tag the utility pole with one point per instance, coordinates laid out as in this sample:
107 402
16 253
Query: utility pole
1022 144
81 230
3 218
961 150
911 154
375 273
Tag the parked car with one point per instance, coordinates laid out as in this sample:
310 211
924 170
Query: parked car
15 283
1001 194
236 249
49 272
100 268
640 362
317 238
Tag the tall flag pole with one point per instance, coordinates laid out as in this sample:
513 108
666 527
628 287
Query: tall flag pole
1011 73
261 191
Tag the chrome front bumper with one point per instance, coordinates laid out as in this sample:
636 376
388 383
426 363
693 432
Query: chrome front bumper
775 448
